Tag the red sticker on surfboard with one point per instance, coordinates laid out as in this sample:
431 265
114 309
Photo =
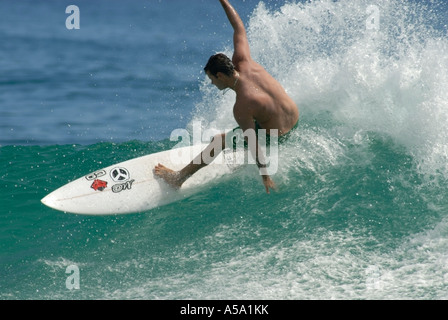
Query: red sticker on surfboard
99 185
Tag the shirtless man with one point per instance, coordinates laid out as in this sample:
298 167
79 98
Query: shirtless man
261 103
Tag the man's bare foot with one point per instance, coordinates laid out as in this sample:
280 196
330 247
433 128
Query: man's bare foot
171 177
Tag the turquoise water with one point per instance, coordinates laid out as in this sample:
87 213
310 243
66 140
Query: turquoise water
361 208
316 237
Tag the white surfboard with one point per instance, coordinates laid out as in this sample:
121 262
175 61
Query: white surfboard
131 186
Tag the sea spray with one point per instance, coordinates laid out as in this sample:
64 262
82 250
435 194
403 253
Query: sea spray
389 79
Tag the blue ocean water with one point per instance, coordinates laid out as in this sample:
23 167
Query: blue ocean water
360 211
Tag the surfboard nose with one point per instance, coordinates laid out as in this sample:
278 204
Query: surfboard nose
48 201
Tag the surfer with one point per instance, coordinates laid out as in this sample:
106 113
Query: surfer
261 103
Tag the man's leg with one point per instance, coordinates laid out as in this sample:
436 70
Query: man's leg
177 178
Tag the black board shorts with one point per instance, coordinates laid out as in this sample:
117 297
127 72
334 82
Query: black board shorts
236 138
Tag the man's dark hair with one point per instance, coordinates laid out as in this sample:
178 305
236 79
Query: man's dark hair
220 63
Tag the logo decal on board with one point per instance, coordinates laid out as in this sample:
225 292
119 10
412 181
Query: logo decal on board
120 174
99 185
95 175
122 186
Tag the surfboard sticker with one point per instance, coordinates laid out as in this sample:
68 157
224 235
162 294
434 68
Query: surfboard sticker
120 174
99 185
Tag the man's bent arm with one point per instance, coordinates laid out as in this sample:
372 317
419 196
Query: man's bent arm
248 127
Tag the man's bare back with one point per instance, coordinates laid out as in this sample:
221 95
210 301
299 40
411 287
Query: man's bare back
259 97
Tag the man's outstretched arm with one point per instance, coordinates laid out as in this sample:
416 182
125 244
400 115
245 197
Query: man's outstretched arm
240 42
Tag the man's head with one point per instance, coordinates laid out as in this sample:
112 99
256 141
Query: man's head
220 69
219 63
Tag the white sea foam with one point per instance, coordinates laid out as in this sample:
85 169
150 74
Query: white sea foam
391 79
